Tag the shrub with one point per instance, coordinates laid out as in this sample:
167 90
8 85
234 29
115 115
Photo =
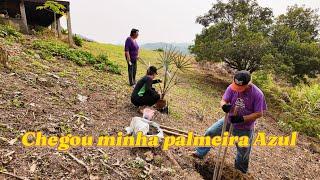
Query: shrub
159 50
86 56
102 58
78 40
113 67
45 55
8 31
302 112
105 64
100 66
299 106
48 49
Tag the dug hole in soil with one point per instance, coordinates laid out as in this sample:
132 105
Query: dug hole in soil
206 169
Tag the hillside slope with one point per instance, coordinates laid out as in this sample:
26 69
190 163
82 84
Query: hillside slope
42 95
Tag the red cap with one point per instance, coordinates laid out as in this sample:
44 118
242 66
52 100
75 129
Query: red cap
238 88
241 81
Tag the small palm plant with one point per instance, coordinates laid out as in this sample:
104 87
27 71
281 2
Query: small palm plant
172 62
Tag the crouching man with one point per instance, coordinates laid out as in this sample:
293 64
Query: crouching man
144 94
245 103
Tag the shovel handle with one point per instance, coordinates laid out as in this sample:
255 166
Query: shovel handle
217 164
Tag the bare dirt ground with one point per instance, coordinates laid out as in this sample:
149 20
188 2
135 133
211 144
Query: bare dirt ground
34 97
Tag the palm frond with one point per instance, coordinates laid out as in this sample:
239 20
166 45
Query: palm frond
172 62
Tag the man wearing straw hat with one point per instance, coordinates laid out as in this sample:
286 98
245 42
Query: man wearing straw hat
245 103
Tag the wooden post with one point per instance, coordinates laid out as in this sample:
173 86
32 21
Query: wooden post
69 28
24 16
59 28
55 24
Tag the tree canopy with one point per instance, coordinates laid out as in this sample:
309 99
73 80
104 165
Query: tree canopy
234 32
53 6
246 36
296 40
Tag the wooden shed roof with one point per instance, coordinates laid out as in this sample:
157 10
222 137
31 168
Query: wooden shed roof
63 2
34 16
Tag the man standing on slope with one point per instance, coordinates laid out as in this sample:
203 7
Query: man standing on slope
245 103
132 55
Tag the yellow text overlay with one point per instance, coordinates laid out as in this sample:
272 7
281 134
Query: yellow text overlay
64 143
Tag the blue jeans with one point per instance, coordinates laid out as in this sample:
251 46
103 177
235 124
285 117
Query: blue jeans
243 153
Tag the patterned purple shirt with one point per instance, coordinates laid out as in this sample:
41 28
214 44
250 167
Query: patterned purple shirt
133 48
250 101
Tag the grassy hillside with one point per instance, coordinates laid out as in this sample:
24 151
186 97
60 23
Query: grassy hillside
41 93
193 97
298 107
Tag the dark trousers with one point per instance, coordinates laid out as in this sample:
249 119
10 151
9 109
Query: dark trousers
132 71
150 98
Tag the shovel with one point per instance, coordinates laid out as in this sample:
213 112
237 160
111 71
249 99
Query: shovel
218 168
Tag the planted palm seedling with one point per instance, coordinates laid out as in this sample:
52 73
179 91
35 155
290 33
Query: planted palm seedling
172 62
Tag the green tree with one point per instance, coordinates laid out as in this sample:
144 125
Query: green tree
305 21
295 37
235 32
54 7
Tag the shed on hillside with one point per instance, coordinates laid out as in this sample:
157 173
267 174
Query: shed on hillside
24 14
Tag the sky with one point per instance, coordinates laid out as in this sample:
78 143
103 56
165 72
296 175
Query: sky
171 21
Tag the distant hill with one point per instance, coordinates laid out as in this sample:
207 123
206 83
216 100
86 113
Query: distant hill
183 47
